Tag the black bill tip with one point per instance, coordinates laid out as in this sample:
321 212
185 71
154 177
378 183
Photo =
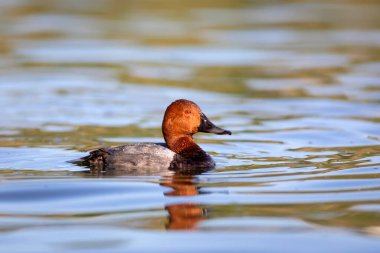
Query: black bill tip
206 126
226 132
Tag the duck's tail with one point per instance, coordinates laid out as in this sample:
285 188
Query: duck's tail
95 159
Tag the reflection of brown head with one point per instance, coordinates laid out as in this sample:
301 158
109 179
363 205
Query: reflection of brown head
184 215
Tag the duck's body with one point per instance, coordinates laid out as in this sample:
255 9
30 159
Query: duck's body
180 153
146 158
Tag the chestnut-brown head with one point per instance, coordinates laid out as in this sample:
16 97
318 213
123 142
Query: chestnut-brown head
183 118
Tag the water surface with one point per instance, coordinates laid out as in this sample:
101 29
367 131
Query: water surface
297 82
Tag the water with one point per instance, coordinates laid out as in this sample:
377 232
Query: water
297 82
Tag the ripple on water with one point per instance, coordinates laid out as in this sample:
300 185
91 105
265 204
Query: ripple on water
297 84
44 159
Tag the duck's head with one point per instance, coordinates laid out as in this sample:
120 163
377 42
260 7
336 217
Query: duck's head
185 118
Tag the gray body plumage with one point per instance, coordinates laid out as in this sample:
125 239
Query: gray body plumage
133 158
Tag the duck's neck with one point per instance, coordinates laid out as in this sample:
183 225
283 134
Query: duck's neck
183 144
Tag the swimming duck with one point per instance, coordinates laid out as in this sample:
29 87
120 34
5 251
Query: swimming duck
179 153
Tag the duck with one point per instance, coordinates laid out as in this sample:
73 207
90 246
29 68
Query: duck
180 153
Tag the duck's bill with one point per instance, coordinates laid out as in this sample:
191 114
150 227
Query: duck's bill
206 126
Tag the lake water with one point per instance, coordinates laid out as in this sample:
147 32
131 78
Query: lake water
297 82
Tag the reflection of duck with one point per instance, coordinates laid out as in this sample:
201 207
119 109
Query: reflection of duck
182 119
184 215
